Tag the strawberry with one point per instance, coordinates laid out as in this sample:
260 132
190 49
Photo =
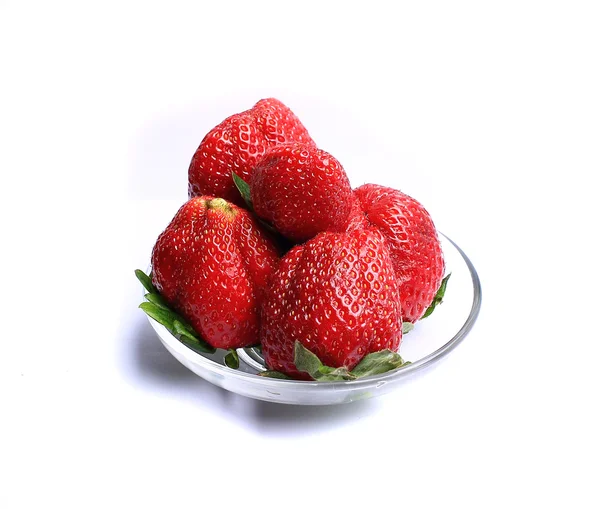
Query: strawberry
357 219
211 265
237 143
335 295
413 243
301 190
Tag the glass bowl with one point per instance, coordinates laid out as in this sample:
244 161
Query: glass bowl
430 340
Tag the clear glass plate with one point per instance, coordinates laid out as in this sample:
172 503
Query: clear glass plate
430 340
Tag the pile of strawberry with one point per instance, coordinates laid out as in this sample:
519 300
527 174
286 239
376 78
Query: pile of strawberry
275 249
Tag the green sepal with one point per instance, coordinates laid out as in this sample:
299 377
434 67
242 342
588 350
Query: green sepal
158 309
308 362
146 281
189 336
274 374
371 364
163 316
329 374
243 188
407 327
196 344
232 359
157 299
177 326
377 363
439 296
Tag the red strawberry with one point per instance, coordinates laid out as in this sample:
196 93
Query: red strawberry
211 264
301 190
412 241
237 143
357 219
336 295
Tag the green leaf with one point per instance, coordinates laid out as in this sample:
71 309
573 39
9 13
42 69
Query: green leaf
308 362
243 188
232 360
377 363
158 309
328 374
146 281
177 326
163 316
182 328
157 299
198 345
439 296
274 374
190 337
407 327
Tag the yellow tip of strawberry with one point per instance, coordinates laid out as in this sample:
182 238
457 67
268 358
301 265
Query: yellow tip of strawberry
221 204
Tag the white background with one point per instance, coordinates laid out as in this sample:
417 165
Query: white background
487 112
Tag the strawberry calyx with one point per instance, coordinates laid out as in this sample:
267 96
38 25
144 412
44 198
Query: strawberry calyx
371 364
274 374
244 188
232 359
157 308
377 363
438 298
308 362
